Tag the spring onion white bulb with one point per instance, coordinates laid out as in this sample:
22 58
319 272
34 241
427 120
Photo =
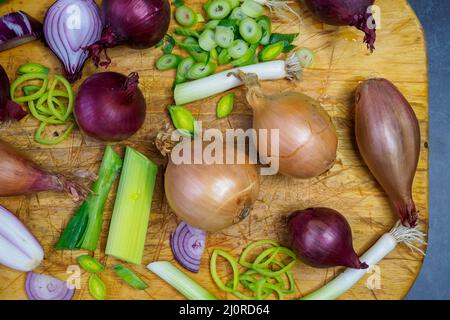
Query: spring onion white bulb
279 7
386 244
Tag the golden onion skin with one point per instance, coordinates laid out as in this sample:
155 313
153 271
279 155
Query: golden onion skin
308 139
211 197
388 137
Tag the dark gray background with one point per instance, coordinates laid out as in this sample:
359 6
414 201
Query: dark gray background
434 279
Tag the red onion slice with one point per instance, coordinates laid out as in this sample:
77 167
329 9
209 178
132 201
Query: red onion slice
43 287
188 245
18 28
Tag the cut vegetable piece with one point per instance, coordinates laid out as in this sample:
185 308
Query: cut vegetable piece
224 57
32 68
90 264
43 287
250 30
129 223
18 28
186 16
266 26
234 3
194 50
84 228
305 56
287 38
29 90
183 68
200 70
270 52
168 61
130 277
182 119
97 287
224 36
211 24
218 9
252 8
225 106
180 281
188 244
186 32
247 59
238 14
214 273
238 48
206 40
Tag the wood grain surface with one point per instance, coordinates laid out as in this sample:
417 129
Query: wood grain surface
341 61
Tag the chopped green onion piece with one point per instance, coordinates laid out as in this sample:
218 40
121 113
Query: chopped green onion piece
211 24
206 40
238 14
50 142
224 57
130 277
234 265
286 38
250 247
32 68
97 287
247 59
185 16
169 44
90 264
271 52
186 32
250 30
129 223
29 90
191 45
234 3
252 8
238 48
218 9
182 119
167 62
224 36
305 56
183 68
266 26
180 281
200 18
200 70
225 106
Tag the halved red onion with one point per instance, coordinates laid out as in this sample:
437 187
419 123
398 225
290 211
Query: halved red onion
17 28
43 287
188 245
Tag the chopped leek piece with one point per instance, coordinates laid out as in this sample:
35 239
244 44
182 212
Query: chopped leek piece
182 119
224 36
186 16
131 213
90 264
225 106
200 70
250 30
130 277
238 49
97 287
180 281
224 57
167 62
270 52
234 3
266 26
238 14
218 9
252 8
207 41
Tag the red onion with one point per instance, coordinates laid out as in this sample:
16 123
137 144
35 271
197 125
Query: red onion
17 28
20 176
43 287
9 110
69 27
346 12
109 106
140 24
322 237
188 245
388 137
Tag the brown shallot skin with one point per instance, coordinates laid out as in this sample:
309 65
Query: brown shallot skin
21 176
388 137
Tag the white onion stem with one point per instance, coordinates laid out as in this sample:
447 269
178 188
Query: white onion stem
386 244
279 7
224 81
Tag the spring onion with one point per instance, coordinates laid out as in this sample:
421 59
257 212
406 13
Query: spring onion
385 245
266 26
83 230
186 16
252 8
225 106
287 38
183 68
186 32
130 277
234 3
218 9
194 49
224 57
97 287
224 36
200 70
182 119
250 30
180 281
238 48
211 24
90 264
32 68
207 41
131 212
238 14
247 59
270 52
224 81
167 62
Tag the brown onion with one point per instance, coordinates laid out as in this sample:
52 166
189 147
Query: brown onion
388 137
21 176
308 139
211 197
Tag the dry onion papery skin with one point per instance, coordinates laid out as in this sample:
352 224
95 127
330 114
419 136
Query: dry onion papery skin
308 139
388 137
211 197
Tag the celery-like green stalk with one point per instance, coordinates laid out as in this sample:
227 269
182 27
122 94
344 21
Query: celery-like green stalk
131 213
84 228
180 281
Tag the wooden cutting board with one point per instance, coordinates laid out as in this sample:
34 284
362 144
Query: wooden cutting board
341 61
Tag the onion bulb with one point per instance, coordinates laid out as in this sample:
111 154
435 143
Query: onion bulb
210 197
388 137
307 141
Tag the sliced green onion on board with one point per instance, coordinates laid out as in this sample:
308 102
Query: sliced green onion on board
186 32
238 48
270 52
224 57
167 62
130 277
238 14
97 287
211 24
185 16
183 68
32 68
218 9
194 50
225 106
250 30
252 8
234 3
90 264
182 119
207 40
224 36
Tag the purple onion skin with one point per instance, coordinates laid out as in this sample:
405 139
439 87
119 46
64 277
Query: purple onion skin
345 12
9 110
109 106
17 28
321 237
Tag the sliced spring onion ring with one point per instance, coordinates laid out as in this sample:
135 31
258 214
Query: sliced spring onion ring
211 24
250 30
167 62
225 106
186 32
183 68
38 135
252 8
234 265
191 45
186 16
90 264
238 14
207 40
266 26
247 59
238 48
224 57
97 287
250 247
200 70
70 97
271 52
28 77
130 277
182 119
224 36
218 9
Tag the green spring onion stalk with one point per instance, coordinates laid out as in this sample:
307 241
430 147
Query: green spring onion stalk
218 9
131 213
84 228
180 281
386 244
168 61
90 264
130 277
238 14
